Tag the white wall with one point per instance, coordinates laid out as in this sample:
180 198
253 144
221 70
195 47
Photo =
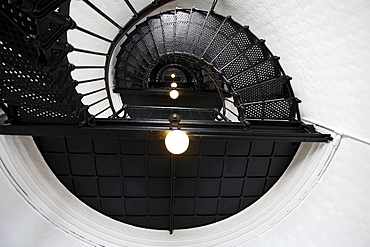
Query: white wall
324 46
336 212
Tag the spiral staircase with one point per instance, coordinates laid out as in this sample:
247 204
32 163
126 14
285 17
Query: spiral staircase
236 104
246 70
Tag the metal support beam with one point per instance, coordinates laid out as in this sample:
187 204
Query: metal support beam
294 131
172 193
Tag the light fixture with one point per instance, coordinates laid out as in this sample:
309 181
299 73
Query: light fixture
173 75
174 85
177 142
174 94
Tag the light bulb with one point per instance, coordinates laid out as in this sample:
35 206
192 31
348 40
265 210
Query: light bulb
173 75
177 142
174 85
174 94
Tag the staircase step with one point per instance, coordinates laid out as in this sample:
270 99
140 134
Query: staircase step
147 37
252 55
226 33
143 52
182 24
265 70
125 79
243 39
168 22
280 109
157 32
267 90
195 26
209 30
132 49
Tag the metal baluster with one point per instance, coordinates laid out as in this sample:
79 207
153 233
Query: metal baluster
214 5
102 111
103 14
97 102
131 8
91 80
90 67
94 34
90 52
93 92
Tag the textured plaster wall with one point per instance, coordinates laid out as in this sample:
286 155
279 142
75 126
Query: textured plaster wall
324 46
21 225
336 212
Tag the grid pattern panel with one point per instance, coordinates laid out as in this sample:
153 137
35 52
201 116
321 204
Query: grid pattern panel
157 32
195 26
129 179
39 98
263 71
169 30
272 89
283 109
248 58
132 56
182 25
210 29
243 39
146 34
228 30
34 114
24 20
130 68
143 54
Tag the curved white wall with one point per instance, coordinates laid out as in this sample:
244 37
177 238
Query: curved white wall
323 45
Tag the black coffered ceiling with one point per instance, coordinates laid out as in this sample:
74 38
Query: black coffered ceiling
130 179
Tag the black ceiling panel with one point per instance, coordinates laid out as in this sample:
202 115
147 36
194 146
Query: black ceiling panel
136 181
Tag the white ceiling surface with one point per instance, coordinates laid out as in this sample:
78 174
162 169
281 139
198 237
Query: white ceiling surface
324 46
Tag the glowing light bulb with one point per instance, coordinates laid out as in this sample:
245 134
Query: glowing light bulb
174 94
174 85
173 75
177 142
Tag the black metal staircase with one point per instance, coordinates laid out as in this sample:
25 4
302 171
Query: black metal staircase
119 164
253 75
36 84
